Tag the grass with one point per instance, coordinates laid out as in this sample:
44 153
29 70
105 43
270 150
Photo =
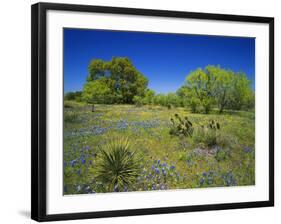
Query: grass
167 161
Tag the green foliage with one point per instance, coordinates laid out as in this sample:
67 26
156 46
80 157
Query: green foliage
70 116
193 103
181 127
76 96
149 129
120 79
167 100
241 97
221 85
117 166
214 85
97 91
69 104
160 99
199 84
207 105
189 99
207 135
119 82
222 154
149 97
138 101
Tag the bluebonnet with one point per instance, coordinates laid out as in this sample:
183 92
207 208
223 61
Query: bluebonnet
88 189
157 171
229 179
73 162
207 177
116 188
164 171
98 130
248 149
122 124
83 161
172 167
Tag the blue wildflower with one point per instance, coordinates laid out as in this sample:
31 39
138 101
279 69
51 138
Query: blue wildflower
73 162
88 189
229 179
83 161
157 171
153 187
172 167
116 188
248 149
164 171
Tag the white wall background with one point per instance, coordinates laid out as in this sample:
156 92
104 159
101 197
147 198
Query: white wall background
15 109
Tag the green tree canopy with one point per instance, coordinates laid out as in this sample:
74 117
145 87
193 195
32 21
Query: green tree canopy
215 85
97 91
119 76
200 85
73 96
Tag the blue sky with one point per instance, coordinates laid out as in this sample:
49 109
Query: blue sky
165 59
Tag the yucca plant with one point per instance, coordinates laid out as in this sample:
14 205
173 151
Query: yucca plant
117 166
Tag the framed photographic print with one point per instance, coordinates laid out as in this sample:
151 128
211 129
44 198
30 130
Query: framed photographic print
139 111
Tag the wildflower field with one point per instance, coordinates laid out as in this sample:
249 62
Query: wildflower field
172 148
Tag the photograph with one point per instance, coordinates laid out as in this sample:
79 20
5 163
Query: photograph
147 111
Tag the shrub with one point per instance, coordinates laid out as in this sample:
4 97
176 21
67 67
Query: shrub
208 135
193 103
70 104
70 116
221 154
207 105
169 106
117 166
138 101
181 127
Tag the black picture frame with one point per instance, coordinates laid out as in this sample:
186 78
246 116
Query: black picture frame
38 110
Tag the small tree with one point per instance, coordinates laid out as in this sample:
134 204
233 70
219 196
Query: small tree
149 96
96 92
138 101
